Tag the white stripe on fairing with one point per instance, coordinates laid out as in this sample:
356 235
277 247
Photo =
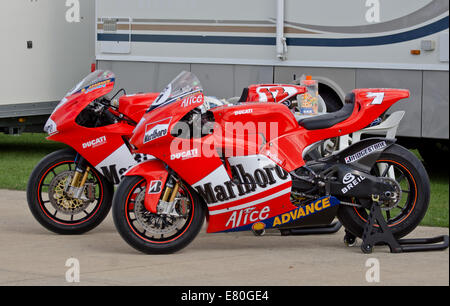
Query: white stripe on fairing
122 158
220 175
268 198
258 190
216 177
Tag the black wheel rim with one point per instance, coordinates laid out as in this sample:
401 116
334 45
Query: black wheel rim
57 215
407 203
144 233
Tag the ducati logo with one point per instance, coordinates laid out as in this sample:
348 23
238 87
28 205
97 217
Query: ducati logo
243 112
274 157
185 154
157 129
95 143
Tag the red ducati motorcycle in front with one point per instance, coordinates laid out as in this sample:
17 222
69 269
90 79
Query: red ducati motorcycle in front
245 167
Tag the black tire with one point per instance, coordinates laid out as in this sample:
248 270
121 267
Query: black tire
45 212
128 228
417 199
330 98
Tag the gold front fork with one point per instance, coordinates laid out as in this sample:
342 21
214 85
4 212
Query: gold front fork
174 192
79 181
171 192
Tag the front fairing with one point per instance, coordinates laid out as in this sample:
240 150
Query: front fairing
155 126
91 88
180 96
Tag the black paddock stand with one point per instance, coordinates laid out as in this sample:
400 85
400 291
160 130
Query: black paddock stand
317 230
382 235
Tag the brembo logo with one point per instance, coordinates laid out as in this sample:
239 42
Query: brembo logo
248 182
157 129
95 143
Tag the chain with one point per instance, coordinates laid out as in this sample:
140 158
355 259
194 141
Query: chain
350 204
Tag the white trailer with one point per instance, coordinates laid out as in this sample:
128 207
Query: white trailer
48 46
230 44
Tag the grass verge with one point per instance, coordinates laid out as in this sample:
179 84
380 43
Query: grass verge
20 154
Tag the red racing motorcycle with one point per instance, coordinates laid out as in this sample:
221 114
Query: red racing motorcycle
70 191
244 167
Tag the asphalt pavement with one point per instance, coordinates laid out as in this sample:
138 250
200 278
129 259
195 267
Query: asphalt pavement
31 255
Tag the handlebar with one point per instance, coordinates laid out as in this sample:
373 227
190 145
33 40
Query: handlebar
110 116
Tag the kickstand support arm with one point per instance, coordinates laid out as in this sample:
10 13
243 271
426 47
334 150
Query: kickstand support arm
377 232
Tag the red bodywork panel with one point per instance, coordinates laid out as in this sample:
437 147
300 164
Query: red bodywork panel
277 93
134 106
155 174
244 129
366 110
165 147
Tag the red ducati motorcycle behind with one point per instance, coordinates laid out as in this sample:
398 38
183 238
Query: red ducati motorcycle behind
243 168
70 191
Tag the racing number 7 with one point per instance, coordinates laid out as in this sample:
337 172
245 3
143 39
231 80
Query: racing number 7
378 97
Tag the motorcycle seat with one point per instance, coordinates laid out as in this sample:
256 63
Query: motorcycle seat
330 119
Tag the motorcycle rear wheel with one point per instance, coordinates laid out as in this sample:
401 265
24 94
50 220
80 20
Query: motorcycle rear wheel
403 217
51 206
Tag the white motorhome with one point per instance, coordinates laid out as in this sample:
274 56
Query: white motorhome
230 44
48 46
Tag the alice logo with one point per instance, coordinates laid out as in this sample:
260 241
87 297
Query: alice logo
73 13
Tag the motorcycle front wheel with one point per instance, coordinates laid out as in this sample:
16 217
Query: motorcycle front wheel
154 233
405 171
54 209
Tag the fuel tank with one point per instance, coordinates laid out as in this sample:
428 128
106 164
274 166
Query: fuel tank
249 126
135 106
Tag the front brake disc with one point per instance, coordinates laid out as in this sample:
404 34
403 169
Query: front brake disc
155 224
59 198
